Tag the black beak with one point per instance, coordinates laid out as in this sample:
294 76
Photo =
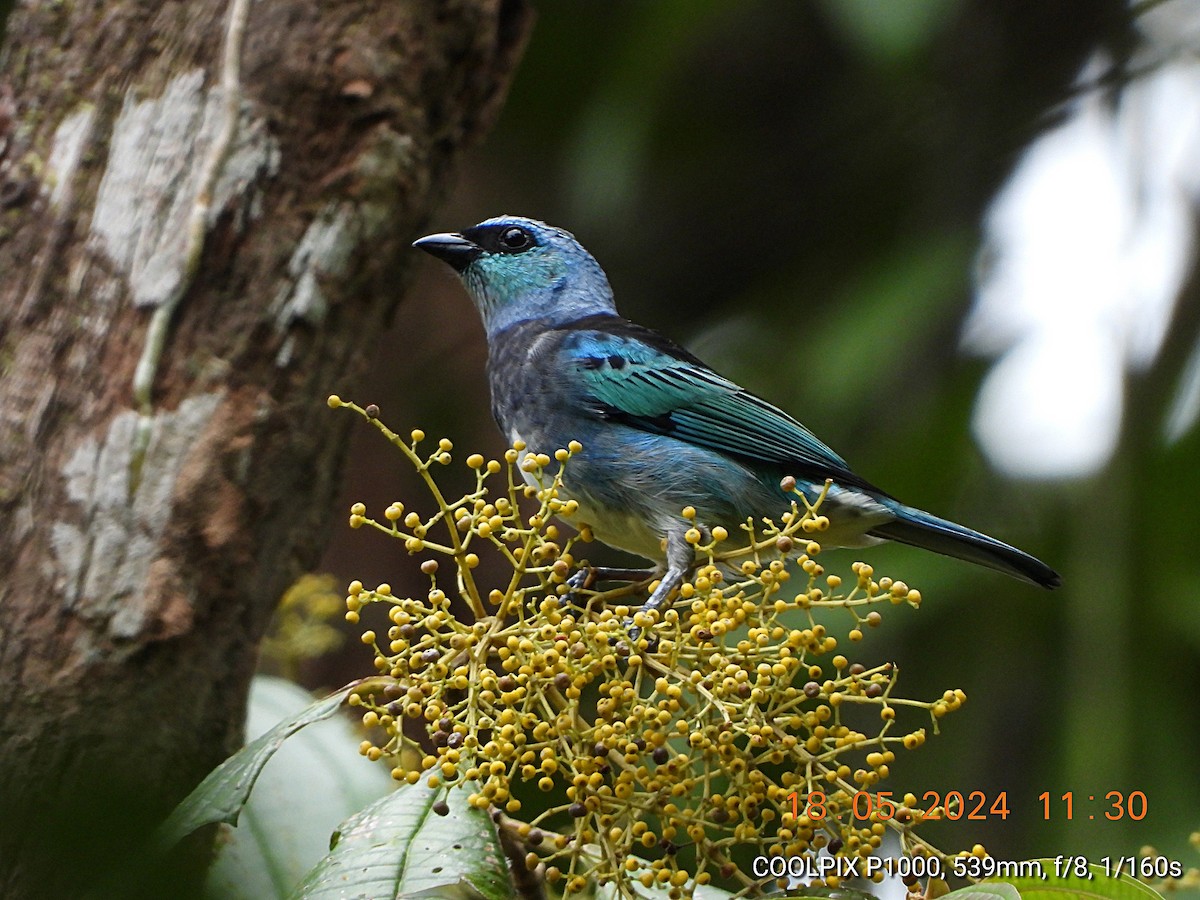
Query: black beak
450 248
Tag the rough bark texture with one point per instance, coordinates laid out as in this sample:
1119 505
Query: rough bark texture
145 533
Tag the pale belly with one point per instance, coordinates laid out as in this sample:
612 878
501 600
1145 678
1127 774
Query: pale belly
633 532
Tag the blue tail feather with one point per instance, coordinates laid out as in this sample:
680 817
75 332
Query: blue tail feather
921 529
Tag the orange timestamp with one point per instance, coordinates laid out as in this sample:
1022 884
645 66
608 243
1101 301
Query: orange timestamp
878 806
1113 806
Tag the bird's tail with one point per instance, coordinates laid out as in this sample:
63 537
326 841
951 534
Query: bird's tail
921 529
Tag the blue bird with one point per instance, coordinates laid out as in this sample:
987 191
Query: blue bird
660 430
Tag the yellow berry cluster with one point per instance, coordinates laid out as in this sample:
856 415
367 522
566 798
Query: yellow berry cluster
650 747
1151 860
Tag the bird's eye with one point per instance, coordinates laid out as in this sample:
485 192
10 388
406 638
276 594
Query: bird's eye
514 240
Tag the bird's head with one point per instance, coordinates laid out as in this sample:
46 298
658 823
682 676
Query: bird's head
518 269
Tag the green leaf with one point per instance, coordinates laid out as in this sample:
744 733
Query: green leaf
1096 885
283 832
986 891
221 796
399 847
831 893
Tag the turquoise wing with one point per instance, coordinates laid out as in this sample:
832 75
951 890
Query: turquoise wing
636 376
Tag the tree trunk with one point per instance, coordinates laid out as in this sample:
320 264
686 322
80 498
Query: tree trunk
204 217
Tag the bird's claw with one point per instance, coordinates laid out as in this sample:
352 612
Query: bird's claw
635 635
581 580
586 576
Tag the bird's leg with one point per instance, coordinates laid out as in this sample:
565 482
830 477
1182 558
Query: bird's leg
680 560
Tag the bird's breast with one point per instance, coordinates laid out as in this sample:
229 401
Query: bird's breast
624 526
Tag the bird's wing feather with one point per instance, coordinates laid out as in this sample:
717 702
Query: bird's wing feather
636 376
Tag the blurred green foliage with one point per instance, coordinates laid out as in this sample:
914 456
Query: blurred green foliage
761 176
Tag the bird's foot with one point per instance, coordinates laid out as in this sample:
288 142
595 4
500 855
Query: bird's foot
587 576
659 600
581 580
636 636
